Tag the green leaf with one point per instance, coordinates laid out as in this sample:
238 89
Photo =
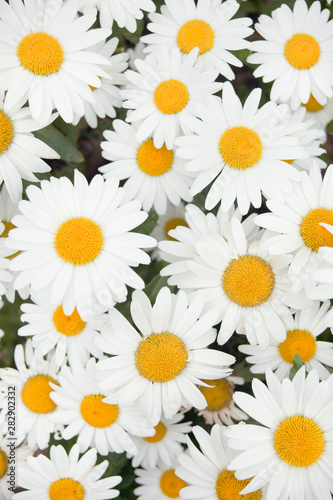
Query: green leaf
297 364
155 286
149 224
61 144
329 127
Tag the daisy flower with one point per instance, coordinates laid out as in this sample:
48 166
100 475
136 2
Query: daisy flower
166 443
160 483
240 150
164 91
97 424
206 25
154 175
298 219
34 406
20 151
75 242
70 336
136 52
321 113
43 57
107 96
66 476
11 456
206 472
292 450
302 331
295 53
162 365
173 217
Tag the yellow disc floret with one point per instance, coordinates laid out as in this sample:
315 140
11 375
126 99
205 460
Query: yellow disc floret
313 105
160 431
172 224
195 33
302 51
299 342
66 489
161 357
171 484
248 281
96 413
314 235
68 325
40 53
6 132
154 161
3 463
171 96
218 395
78 240
299 441
227 487
36 394
240 147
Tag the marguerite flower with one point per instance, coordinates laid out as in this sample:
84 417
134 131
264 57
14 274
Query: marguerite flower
33 403
206 25
302 331
321 113
154 175
295 53
162 365
240 150
160 483
173 217
165 445
75 242
164 91
292 450
43 57
97 424
51 328
206 472
66 476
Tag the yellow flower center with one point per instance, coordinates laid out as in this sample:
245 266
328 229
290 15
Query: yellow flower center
228 487
171 96
195 33
299 342
36 394
6 132
302 51
240 147
172 224
299 441
68 325
66 489
312 105
161 357
219 395
3 463
248 281
160 431
154 161
96 413
40 53
78 240
314 235
171 484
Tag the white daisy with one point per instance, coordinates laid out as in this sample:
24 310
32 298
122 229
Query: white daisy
162 365
66 476
51 328
43 57
33 403
206 25
166 444
164 91
292 450
240 150
97 424
206 471
154 175
75 242
136 52
20 151
298 219
321 113
107 96
173 217
159 483
295 53
302 331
